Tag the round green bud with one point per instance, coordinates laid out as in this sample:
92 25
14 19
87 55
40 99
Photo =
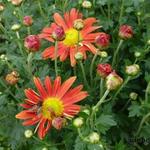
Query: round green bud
137 54
15 27
28 133
133 95
79 56
78 122
94 138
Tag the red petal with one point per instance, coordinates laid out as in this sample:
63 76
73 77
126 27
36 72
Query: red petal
72 57
48 52
40 87
56 86
65 86
25 115
90 47
48 85
26 106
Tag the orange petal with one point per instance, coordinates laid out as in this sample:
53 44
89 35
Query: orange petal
60 21
90 47
25 115
26 106
40 87
65 86
72 110
48 85
48 52
56 86
32 95
75 98
72 55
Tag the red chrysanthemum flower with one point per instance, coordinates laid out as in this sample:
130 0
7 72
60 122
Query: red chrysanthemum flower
68 46
54 101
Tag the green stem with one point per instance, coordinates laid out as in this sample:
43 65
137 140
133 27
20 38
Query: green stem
102 99
74 71
56 50
116 52
40 8
83 73
121 87
147 92
28 30
139 20
29 63
102 10
121 12
91 68
142 122
101 87
108 5
81 136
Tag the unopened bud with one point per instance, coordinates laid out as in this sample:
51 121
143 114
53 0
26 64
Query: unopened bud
58 122
44 148
86 4
137 54
15 27
27 21
12 78
1 93
86 111
133 95
3 58
103 54
139 13
16 2
148 42
132 70
1 7
58 34
94 138
78 122
79 56
113 81
28 133
78 24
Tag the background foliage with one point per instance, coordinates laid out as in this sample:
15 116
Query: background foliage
116 125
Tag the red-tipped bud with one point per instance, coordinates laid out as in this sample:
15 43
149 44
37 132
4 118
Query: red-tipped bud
58 34
113 81
58 122
12 78
125 32
104 70
32 43
102 40
27 21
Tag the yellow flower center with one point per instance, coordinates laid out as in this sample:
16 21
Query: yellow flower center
72 37
52 107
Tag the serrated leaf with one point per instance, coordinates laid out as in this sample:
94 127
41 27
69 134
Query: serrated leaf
134 110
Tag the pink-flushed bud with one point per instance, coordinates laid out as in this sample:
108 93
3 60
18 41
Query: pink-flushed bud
16 2
32 43
113 81
102 40
58 34
125 32
27 21
132 70
58 122
104 70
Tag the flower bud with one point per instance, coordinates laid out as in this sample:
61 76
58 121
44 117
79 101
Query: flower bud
133 95
28 133
1 93
3 58
137 54
94 138
132 70
86 111
58 33
78 122
79 56
15 27
1 7
139 13
16 2
58 122
125 32
104 70
86 4
103 54
102 40
32 43
78 24
12 78
148 42
44 148
27 21
113 81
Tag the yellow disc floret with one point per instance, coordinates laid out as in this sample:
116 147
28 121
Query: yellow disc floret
72 37
52 107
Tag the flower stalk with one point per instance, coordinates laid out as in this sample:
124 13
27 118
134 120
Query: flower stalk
56 51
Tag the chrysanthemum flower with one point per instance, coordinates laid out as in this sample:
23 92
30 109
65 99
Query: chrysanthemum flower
68 47
55 100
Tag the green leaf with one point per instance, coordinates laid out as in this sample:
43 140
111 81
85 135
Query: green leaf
79 144
105 122
134 110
